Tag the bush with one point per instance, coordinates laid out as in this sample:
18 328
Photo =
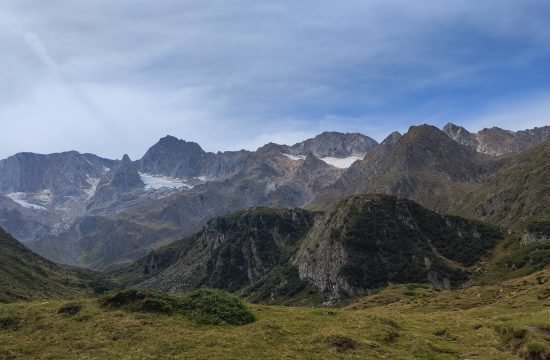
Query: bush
139 300
341 343
9 322
70 309
202 306
206 306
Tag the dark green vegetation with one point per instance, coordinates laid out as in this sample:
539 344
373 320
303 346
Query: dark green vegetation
260 253
27 276
230 253
203 306
369 241
384 249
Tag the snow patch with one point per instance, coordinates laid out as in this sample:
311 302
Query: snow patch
93 182
292 157
155 182
20 198
44 196
341 163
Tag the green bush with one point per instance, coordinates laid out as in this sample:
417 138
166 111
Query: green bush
70 309
206 306
9 322
203 306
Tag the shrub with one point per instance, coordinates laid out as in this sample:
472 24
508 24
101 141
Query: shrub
203 306
9 322
139 300
70 309
206 306
341 343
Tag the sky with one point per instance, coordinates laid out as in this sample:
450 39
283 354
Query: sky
112 77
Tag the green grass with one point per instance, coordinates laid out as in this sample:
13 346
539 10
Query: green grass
481 322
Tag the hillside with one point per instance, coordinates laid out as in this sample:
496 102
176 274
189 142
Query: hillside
27 276
517 194
424 165
281 255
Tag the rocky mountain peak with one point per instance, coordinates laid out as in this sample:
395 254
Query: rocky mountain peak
173 157
335 144
392 138
124 176
497 141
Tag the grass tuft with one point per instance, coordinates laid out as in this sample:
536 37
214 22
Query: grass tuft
341 343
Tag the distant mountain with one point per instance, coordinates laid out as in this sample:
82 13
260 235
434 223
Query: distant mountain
171 192
424 165
517 194
334 144
27 276
54 175
80 209
496 141
359 243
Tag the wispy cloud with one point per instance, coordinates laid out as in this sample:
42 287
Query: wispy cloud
113 76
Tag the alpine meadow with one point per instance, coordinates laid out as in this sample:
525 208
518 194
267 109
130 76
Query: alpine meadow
292 180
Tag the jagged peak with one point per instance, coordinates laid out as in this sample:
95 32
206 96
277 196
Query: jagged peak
451 128
171 141
392 138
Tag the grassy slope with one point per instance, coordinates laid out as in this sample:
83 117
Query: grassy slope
25 275
398 322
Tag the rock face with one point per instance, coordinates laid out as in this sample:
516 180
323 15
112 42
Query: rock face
122 179
230 253
63 174
496 141
370 241
360 243
173 157
182 159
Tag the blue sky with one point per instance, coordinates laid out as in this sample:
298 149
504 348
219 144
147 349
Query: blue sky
111 77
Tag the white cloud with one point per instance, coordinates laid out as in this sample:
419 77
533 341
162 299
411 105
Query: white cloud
114 76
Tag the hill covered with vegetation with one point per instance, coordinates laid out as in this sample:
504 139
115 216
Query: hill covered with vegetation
27 276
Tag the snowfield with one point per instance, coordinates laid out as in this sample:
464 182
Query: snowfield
20 198
156 182
342 163
292 157
93 182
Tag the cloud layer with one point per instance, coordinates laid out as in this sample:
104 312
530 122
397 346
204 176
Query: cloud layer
114 76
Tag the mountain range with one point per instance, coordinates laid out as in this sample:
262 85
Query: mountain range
83 210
